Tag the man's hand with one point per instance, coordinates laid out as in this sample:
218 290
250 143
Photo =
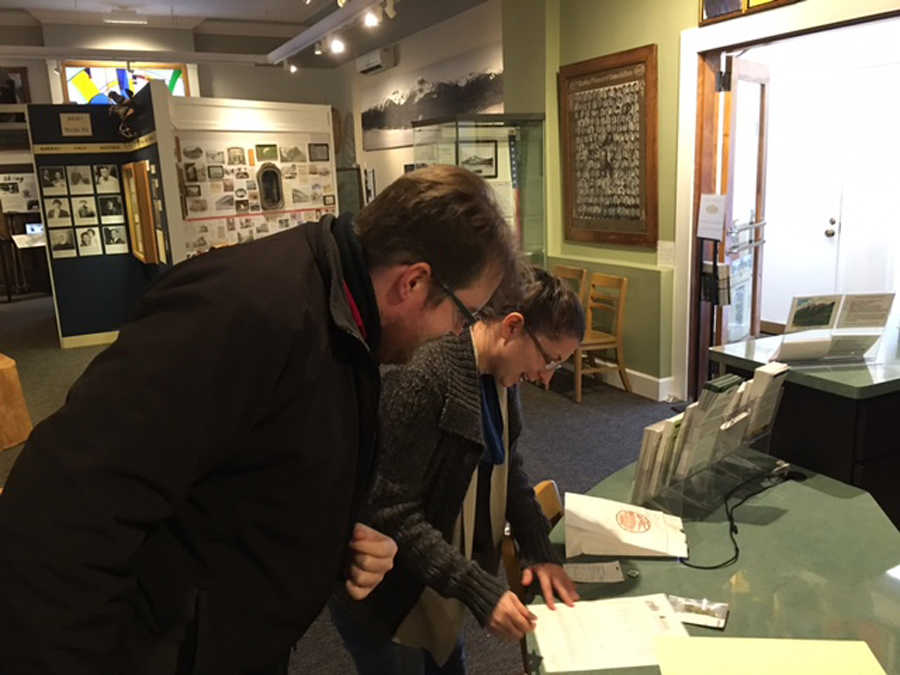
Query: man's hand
373 557
510 619
551 577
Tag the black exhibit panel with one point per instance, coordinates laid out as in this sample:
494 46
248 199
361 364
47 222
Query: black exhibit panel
79 151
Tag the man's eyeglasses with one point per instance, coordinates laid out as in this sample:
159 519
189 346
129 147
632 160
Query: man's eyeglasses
549 363
469 317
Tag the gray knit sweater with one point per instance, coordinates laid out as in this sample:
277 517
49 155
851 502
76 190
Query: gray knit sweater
431 443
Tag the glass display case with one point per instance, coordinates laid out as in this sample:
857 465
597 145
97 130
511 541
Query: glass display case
508 152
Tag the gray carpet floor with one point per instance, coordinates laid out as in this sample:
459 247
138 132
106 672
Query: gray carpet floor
576 445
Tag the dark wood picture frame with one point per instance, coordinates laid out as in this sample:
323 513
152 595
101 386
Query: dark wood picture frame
478 168
140 213
636 219
743 7
22 72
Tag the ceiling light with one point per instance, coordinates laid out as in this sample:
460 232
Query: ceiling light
125 16
389 9
373 17
293 69
319 49
337 46
341 3
308 1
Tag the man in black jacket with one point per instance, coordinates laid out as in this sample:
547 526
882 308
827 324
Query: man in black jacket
189 509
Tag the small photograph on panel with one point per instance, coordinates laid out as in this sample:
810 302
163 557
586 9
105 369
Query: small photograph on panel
85 210
111 209
216 172
53 180
192 190
241 173
192 152
318 152
88 239
215 156
62 243
198 205
115 239
228 185
299 196
267 153
195 173
59 213
106 177
292 154
80 181
236 156
241 205
225 203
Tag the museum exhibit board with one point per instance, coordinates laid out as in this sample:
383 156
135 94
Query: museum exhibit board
79 153
245 170
508 152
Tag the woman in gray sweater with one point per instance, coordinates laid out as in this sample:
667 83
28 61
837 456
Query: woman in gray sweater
448 479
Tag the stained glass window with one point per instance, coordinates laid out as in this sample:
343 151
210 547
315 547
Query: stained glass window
92 82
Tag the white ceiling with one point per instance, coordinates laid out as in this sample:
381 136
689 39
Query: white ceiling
63 11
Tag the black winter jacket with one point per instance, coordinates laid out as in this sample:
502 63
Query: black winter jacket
209 456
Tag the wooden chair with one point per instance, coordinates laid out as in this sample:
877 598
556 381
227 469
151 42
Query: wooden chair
576 277
547 494
606 296
15 422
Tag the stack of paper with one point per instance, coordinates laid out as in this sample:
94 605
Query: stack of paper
598 526
603 634
752 656
765 390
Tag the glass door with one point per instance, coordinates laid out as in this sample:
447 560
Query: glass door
743 179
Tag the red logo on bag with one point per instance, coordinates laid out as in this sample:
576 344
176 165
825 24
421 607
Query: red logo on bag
632 521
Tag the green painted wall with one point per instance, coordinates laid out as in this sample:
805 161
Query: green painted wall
575 30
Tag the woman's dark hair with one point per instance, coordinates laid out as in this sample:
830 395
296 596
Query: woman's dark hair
445 216
550 307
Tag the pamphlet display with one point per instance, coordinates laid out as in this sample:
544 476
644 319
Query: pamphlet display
834 327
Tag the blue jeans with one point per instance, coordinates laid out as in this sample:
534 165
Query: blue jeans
376 656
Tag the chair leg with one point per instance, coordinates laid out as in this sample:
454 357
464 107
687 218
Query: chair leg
620 359
578 376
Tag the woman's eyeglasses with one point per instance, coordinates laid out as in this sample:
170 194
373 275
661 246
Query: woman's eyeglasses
549 363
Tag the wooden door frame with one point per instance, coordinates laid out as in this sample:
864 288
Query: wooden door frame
790 21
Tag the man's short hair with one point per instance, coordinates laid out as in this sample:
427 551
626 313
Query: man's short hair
445 216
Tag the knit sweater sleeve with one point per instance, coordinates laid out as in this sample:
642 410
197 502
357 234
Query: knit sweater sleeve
411 406
526 519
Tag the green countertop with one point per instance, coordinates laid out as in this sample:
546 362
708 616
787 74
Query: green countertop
876 376
819 560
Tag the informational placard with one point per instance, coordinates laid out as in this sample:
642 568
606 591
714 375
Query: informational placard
18 193
711 223
75 124
865 310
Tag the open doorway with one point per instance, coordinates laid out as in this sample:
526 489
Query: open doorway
800 134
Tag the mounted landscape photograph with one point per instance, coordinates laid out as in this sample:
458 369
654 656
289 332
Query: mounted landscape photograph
469 84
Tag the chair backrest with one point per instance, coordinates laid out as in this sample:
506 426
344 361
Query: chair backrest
576 277
547 494
607 296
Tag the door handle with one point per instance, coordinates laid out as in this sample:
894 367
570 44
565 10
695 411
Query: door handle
830 232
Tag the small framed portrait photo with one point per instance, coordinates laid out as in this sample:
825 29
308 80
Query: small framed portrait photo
106 177
80 181
85 210
319 152
58 212
115 239
215 172
111 209
62 243
236 156
53 180
88 239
